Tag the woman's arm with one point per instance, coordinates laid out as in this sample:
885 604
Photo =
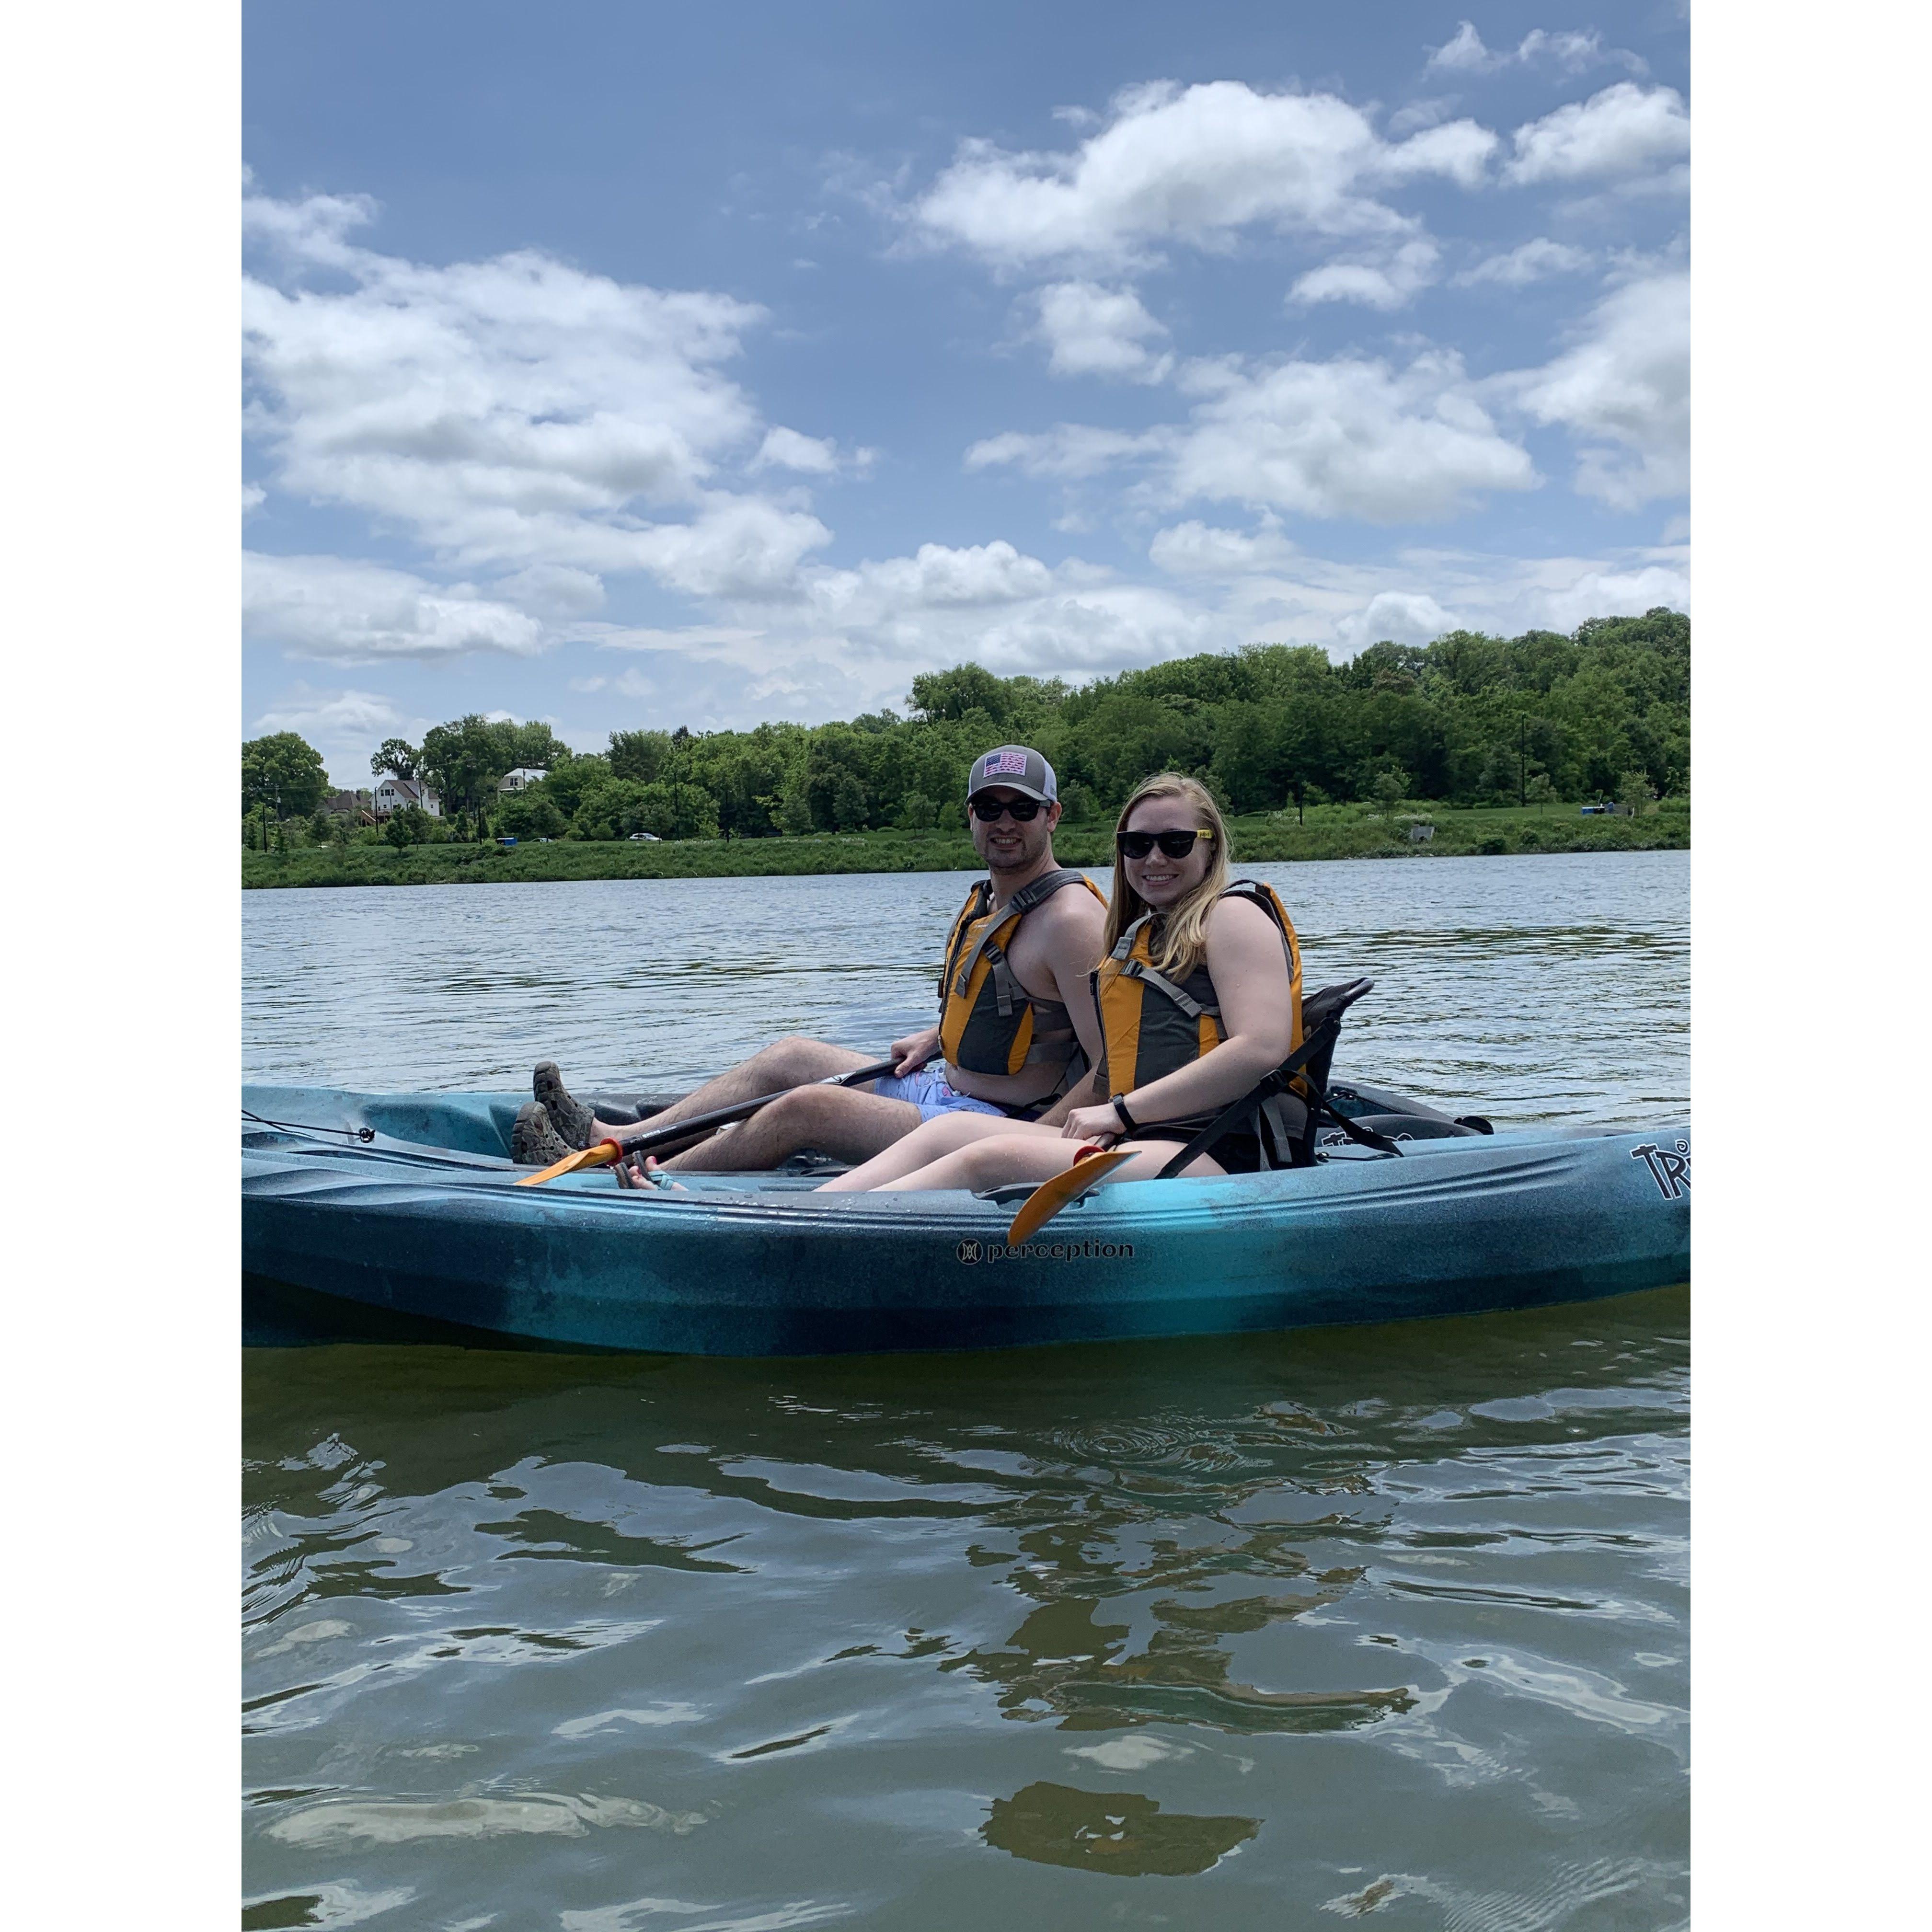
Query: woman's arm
1249 966
1083 1093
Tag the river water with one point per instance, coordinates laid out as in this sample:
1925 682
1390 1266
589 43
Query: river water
1386 1623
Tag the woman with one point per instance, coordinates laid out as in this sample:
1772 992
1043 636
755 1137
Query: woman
1200 999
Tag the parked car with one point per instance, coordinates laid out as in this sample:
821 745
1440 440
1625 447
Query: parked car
646 838
506 840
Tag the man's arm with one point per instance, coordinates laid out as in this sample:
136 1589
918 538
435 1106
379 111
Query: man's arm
1073 948
915 1050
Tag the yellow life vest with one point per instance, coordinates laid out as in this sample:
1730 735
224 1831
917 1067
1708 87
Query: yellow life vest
988 1022
1153 1026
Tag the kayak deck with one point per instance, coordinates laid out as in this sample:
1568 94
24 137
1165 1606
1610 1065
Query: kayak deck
422 1222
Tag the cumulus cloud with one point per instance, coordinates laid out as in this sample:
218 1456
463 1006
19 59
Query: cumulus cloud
1348 438
1623 390
1622 130
807 455
1092 330
1385 282
1195 549
1193 166
1464 52
334 607
1533 261
330 716
1401 617
520 417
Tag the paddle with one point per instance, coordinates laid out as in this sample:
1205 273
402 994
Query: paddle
1091 1166
603 1153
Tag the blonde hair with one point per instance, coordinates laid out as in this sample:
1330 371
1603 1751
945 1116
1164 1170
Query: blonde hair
1179 939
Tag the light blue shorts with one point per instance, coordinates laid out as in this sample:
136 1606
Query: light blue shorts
929 1093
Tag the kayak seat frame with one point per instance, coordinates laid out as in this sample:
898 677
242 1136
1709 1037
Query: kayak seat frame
1303 1076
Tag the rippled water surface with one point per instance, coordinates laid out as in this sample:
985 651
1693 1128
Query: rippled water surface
1386 1623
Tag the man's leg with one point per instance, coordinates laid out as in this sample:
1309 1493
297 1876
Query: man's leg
786 1062
844 1122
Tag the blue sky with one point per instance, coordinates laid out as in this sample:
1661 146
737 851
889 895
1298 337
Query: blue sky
617 365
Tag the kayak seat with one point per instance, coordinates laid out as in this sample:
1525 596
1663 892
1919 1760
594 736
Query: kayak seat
1286 1111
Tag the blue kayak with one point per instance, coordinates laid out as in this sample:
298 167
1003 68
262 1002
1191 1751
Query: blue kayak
398 1214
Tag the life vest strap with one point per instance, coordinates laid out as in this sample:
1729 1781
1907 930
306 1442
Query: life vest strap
1135 969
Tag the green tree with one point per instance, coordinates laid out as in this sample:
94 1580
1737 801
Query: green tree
673 809
967 688
1540 790
1633 792
1391 787
409 826
646 756
283 772
530 814
396 756
917 813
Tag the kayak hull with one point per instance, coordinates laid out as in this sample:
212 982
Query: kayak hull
422 1223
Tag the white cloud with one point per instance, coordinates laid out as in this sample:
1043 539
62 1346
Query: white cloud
517 415
552 590
1623 130
1623 390
1533 261
1194 166
1401 617
252 497
1348 438
1069 451
1464 52
1385 282
1195 549
1092 330
330 716
334 607
808 455
698 637
787 449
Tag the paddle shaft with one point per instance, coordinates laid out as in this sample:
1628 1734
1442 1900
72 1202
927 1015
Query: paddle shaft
697 1125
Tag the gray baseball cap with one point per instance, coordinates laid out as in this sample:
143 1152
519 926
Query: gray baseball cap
1018 768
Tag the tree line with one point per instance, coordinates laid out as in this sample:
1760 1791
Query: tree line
1470 719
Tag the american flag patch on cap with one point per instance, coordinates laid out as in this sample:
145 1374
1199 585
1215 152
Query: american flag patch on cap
997 762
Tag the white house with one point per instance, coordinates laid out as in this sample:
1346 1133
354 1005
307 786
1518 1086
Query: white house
521 779
392 794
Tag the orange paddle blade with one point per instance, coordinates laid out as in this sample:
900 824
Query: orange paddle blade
601 1155
1050 1196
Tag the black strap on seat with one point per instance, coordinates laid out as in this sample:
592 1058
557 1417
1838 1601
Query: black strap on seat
1307 1067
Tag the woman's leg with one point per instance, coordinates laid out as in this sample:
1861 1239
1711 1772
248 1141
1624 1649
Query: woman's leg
995 1160
943 1134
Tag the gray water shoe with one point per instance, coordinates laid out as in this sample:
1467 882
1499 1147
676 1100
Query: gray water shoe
570 1118
534 1142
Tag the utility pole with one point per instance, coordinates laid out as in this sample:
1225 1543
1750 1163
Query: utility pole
1522 769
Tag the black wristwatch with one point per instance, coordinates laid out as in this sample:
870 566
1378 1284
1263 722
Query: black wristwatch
1127 1120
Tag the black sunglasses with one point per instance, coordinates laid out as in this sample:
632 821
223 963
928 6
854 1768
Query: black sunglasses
1175 844
987 810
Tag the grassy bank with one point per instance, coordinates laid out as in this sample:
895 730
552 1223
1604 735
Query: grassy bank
1342 831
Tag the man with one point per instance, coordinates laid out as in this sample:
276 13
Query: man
1016 1027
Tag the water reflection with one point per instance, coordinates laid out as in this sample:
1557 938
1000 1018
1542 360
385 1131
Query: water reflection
482 1580
1118 1832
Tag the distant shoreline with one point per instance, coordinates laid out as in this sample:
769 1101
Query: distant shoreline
1484 831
